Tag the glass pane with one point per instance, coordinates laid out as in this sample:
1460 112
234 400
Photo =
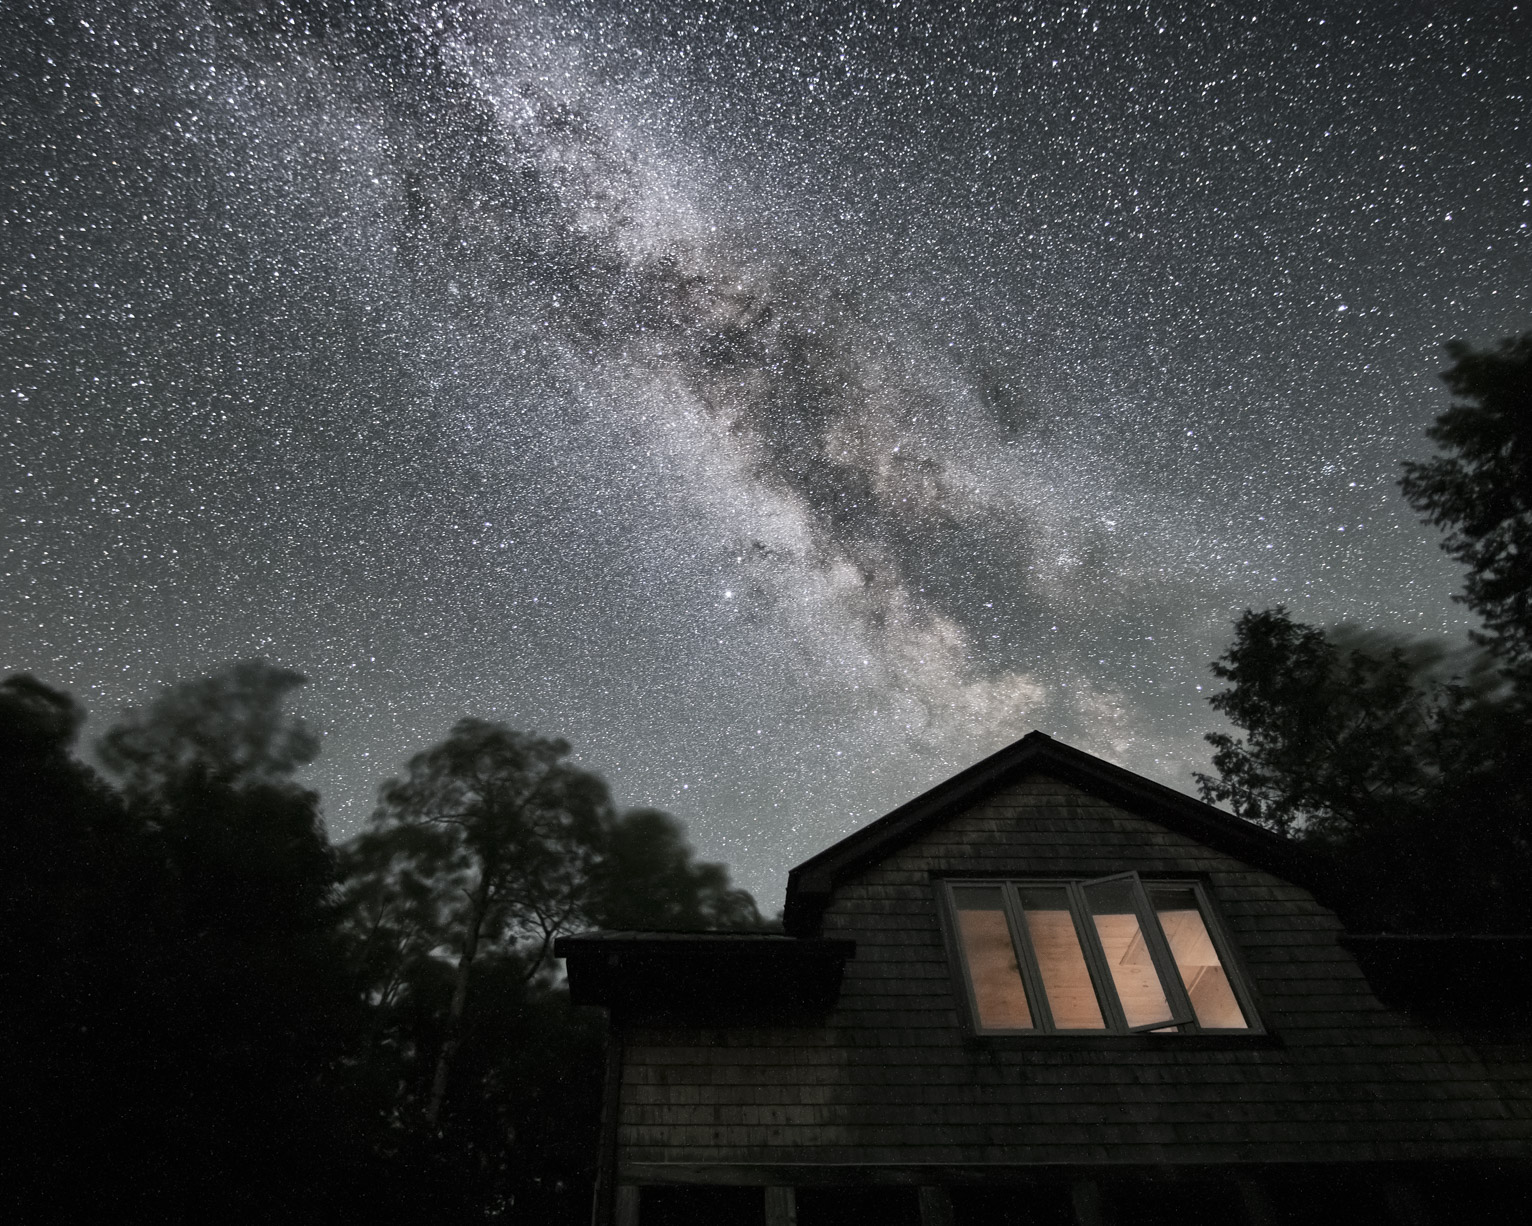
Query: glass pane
1059 958
991 959
1207 983
1133 974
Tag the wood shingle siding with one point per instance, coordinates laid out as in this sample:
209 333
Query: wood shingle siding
890 1079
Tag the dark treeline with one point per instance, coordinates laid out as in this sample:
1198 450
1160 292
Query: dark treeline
1405 765
213 1014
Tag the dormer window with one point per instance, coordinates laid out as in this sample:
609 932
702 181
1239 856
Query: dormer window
1113 955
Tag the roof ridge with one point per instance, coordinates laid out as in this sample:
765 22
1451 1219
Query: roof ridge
810 883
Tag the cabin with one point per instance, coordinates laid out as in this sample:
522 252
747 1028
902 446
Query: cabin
1053 991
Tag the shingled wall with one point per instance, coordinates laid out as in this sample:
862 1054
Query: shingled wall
890 1082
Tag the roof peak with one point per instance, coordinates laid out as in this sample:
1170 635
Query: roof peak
811 883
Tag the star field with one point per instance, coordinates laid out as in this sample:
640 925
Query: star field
788 404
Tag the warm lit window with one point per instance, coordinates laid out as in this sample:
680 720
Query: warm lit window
1117 955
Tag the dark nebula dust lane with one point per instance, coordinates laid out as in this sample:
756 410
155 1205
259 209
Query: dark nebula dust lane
789 405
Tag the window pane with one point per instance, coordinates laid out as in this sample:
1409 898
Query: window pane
991 959
1133 974
1059 958
1207 983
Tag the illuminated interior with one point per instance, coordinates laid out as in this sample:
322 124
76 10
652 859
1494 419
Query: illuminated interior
1068 948
1061 962
998 992
1122 941
1202 973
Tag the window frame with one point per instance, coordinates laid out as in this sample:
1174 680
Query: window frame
1116 1029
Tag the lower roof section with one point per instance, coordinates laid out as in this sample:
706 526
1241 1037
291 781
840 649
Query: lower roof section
809 1175
705 978
1453 978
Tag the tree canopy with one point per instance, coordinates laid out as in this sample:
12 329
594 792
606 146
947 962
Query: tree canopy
491 845
1479 489
507 833
649 880
1403 764
231 729
222 1016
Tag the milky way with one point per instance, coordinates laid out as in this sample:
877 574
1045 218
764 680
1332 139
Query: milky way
787 405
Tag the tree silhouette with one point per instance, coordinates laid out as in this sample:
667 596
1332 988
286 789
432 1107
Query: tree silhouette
1411 778
231 729
80 887
648 879
258 1020
507 833
1411 784
208 765
221 1017
1480 488
1332 736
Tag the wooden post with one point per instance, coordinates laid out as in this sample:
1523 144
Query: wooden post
1404 1203
1258 1207
781 1206
625 1206
935 1206
1085 1196
606 1203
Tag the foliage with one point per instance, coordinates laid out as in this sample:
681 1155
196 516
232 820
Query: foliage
207 767
229 730
648 881
1327 732
506 833
1480 488
78 888
1408 780
1409 776
506 829
219 1016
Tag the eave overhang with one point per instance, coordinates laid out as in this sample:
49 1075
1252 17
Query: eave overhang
704 978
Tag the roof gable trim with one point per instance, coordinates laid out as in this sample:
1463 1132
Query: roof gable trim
810 884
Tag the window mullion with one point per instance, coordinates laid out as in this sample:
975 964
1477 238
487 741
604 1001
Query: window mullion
1239 981
1095 958
1026 959
1164 962
957 944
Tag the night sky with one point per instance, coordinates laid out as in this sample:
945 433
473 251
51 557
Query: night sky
787 404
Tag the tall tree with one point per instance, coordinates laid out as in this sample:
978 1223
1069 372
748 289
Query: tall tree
79 887
51 804
1405 777
209 764
252 979
1413 781
508 831
649 879
1332 736
1479 489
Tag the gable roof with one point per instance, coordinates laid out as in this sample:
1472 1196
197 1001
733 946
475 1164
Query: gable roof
810 884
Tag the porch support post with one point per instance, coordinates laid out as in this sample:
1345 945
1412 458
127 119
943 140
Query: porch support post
1085 1197
1258 1207
604 1197
1404 1203
781 1206
935 1206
